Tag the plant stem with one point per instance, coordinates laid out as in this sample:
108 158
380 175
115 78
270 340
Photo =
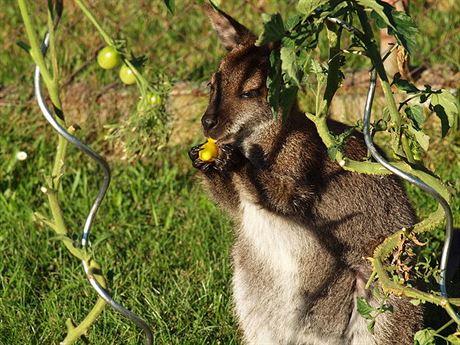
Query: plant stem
335 55
53 54
435 218
377 62
85 9
58 223
450 322
142 82
35 51
74 333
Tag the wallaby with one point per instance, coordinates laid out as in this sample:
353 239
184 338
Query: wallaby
304 226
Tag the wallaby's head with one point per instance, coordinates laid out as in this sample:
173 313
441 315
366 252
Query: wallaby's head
238 95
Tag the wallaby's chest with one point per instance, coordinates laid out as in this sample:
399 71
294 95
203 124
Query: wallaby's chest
279 268
276 242
269 278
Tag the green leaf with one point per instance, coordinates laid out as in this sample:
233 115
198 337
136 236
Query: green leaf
422 139
371 325
425 337
274 81
399 23
416 114
386 114
289 64
386 308
446 107
381 9
405 30
273 29
454 340
293 21
304 61
379 21
404 85
281 96
288 96
170 5
317 68
364 308
306 7
23 45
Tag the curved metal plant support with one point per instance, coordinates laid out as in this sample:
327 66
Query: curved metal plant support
90 267
384 249
50 76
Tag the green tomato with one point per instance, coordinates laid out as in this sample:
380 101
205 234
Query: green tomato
154 99
108 57
127 75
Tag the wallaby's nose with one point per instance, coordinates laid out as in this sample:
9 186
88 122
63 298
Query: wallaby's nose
208 122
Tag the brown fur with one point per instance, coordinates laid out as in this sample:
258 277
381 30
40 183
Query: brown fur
304 225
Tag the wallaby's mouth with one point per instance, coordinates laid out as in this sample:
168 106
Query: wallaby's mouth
221 138
220 131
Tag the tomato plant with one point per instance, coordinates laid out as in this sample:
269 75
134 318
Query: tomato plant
108 57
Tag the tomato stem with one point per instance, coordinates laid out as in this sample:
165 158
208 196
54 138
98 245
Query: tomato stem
85 9
57 224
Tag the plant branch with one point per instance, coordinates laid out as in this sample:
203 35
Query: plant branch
53 54
74 333
85 9
35 51
58 223
374 55
333 74
141 81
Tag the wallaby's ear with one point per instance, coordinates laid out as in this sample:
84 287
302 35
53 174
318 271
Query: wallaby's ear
230 32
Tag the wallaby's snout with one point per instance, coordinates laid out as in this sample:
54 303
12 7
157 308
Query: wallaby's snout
209 121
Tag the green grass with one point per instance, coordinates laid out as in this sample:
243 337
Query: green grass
163 244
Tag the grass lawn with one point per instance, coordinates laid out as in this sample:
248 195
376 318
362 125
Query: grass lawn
163 245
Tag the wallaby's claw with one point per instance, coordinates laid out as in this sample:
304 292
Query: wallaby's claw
229 158
197 163
193 152
203 166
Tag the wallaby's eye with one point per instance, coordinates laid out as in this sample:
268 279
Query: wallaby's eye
250 94
210 87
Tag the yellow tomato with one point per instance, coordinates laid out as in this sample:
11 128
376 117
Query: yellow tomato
209 151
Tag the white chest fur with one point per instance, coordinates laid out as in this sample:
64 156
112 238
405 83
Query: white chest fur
281 246
278 244
277 241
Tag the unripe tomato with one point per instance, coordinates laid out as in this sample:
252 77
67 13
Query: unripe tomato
127 75
108 57
154 99
209 151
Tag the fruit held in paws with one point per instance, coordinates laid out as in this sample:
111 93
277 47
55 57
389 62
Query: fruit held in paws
209 151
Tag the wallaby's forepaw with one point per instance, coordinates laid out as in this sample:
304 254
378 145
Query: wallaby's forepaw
197 163
229 158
